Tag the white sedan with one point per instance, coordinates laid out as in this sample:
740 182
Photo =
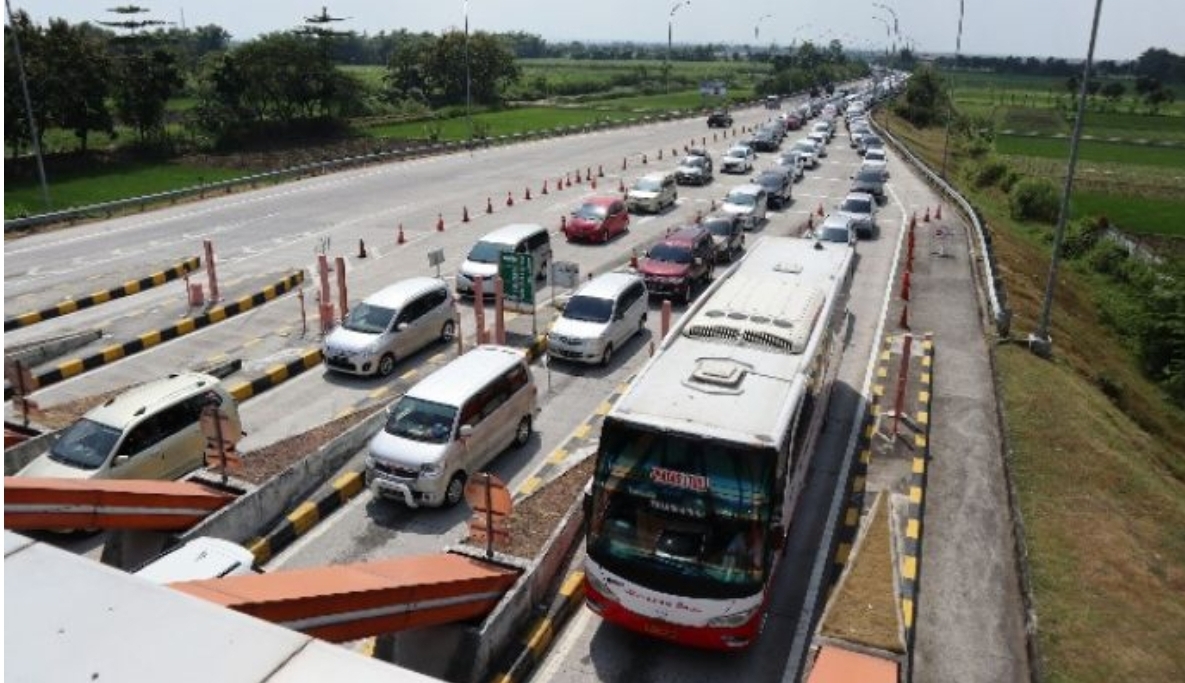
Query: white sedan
738 159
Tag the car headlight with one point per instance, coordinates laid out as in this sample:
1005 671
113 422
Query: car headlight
733 620
431 470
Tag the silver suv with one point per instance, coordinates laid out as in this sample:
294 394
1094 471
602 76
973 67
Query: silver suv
599 318
861 206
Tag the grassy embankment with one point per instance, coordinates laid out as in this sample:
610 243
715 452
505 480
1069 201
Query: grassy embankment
1100 474
604 103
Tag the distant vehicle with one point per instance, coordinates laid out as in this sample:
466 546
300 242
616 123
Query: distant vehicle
876 154
809 149
765 140
821 143
870 181
652 192
485 256
772 102
878 166
678 262
778 186
598 219
868 141
792 160
719 119
861 206
738 159
390 325
599 318
748 203
836 227
728 235
694 170
151 431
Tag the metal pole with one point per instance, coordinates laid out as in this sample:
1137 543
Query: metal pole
1039 341
950 96
670 32
20 65
468 116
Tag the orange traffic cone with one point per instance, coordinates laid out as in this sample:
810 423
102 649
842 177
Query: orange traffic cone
621 186
489 206
563 223
559 183
926 218
623 163
660 155
600 171
400 239
913 221
938 213
634 258
361 248
699 216
544 191
588 173
465 214
527 194
713 137
713 205
594 183
704 140
509 198
643 158
674 152
439 222
578 180
819 211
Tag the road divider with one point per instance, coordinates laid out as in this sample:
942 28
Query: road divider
276 375
128 288
77 366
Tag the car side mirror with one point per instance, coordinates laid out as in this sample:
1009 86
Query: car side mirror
401 327
120 460
466 431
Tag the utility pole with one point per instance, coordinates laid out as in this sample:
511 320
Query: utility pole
670 32
20 65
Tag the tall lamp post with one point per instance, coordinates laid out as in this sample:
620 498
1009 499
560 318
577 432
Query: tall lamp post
950 96
670 32
757 26
20 63
1039 341
468 116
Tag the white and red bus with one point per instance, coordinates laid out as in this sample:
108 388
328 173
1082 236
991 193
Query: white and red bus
701 460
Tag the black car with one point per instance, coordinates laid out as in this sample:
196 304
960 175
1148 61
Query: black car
719 119
765 141
777 183
728 235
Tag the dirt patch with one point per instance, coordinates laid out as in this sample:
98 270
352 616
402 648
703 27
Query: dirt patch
537 516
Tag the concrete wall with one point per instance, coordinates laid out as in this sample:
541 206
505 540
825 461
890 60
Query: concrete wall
23 453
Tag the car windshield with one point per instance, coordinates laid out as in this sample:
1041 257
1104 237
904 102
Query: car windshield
856 206
738 152
869 176
833 233
487 252
721 227
805 146
671 253
874 155
370 319
648 185
420 420
591 212
692 161
85 444
770 180
588 309
740 198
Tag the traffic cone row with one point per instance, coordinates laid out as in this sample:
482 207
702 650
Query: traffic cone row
464 214
489 205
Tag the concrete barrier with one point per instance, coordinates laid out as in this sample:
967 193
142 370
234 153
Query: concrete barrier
37 353
22 454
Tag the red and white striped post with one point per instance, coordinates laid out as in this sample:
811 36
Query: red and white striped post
208 245
479 309
340 265
499 312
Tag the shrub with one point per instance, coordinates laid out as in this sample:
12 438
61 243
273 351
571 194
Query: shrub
1034 199
989 172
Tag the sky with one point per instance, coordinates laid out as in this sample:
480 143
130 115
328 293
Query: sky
1057 28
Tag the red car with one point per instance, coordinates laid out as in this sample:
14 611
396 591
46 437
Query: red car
598 219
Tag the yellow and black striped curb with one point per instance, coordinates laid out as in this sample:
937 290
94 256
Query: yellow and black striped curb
541 635
130 287
306 516
148 340
912 546
276 375
846 536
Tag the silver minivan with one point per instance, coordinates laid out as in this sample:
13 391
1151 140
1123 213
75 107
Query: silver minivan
601 316
483 259
450 425
391 324
151 431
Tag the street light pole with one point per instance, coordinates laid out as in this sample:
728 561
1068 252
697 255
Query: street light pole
670 32
1039 341
36 139
468 116
950 95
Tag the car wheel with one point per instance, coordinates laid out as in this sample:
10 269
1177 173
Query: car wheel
607 356
455 491
522 433
386 365
447 331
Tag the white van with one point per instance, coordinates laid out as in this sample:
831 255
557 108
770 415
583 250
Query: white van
391 324
483 258
601 316
205 557
148 432
450 425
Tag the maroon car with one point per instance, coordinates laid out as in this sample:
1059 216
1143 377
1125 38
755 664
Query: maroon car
598 219
683 258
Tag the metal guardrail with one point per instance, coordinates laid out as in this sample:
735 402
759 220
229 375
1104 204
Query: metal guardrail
997 296
107 209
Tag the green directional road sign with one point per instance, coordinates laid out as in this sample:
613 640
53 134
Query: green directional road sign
518 282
